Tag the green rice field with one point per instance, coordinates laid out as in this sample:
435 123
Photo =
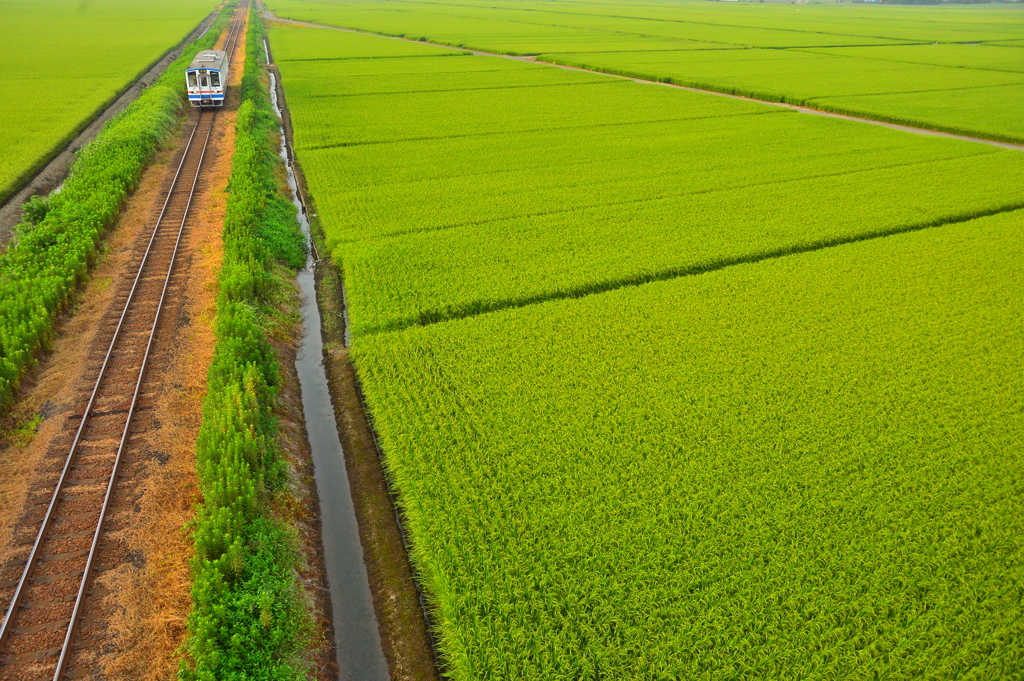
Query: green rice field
671 385
586 166
900 64
64 60
802 468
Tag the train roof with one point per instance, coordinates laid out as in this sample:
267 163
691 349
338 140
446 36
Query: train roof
209 59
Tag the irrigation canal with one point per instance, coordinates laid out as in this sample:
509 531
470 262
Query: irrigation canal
356 637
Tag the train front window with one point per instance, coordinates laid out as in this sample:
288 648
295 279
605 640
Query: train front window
215 79
202 81
191 79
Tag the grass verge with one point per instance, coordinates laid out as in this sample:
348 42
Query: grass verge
249 618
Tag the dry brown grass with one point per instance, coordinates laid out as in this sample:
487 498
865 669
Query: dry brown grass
149 605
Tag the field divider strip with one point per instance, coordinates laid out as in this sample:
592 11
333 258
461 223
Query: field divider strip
463 175
649 199
813 50
733 47
477 308
918 92
461 89
463 53
494 133
914 127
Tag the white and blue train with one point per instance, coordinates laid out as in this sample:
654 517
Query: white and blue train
207 78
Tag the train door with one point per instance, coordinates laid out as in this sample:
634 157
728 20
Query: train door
205 96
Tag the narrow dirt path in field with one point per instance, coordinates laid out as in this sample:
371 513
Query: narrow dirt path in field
270 16
134 622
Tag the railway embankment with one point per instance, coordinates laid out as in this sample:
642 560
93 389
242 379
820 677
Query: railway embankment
132 620
52 169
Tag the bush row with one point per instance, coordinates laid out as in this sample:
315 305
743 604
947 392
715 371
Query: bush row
248 619
55 246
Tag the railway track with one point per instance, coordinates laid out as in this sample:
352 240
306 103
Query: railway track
64 523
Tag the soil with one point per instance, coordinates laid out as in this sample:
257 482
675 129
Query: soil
54 172
133 623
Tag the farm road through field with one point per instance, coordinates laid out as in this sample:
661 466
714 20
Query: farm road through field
270 16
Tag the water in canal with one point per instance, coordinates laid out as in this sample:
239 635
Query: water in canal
356 638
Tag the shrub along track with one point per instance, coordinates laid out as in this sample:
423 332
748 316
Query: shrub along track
259 603
55 587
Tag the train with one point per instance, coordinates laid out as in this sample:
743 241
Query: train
206 78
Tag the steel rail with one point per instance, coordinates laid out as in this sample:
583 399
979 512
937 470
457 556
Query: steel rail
69 461
83 586
62 661
236 28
